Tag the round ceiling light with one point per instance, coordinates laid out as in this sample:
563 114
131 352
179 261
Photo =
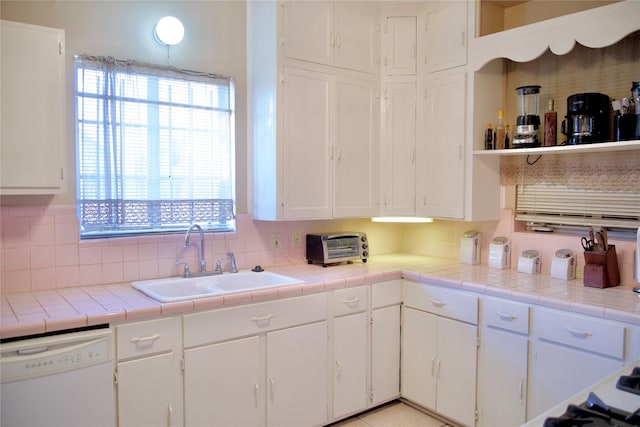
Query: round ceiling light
169 31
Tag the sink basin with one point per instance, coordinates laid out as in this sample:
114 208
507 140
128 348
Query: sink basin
178 288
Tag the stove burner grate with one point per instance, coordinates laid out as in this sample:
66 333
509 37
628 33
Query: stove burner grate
630 383
594 413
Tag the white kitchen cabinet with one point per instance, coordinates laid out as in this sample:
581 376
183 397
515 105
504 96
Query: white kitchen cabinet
340 34
439 350
440 150
502 363
311 127
259 364
350 351
33 108
398 148
399 45
446 35
570 352
148 374
386 298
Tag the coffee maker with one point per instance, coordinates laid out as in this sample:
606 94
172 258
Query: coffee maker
528 121
587 119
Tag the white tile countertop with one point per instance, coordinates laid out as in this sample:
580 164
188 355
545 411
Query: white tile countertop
31 313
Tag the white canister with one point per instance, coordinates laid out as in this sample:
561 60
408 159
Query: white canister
500 253
563 265
529 262
470 247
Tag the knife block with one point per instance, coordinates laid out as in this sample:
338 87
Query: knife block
601 268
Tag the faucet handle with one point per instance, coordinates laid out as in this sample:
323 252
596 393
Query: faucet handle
187 272
218 266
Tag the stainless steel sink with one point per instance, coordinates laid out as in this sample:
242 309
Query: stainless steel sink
178 289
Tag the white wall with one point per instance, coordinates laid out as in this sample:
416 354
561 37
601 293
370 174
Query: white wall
214 42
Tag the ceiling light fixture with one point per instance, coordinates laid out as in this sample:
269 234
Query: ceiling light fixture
169 31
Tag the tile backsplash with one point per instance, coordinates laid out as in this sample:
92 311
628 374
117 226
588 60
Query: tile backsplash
41 249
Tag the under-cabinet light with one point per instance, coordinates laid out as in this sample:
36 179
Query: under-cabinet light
409 219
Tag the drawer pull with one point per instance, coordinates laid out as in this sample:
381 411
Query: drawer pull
351 302
140 340
438 303
262 319
505 316
272 384
575 332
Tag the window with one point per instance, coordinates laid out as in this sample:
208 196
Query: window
155 148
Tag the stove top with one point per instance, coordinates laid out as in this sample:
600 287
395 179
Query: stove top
594 413
630 383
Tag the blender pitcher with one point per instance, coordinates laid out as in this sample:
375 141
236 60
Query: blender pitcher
528 121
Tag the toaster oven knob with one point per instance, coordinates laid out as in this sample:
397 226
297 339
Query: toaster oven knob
365 246
365 254
363 238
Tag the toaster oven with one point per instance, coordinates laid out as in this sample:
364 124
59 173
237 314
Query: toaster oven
331 248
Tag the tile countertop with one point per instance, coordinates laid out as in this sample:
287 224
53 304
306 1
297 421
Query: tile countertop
32 313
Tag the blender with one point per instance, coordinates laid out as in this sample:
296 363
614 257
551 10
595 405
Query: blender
528 121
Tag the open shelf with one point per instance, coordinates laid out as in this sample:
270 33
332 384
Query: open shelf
564 149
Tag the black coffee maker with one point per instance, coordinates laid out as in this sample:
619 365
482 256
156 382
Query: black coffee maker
588 118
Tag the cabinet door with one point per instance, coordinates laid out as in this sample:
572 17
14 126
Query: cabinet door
419 357
456 370
440 153
399 45
349 364
502 374
32 111
308 31
224 384
356 36
558 373
297 376
385 354
146 393
307 144
398 158
356 145
447 36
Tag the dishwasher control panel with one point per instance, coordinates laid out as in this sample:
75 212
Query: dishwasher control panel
45 356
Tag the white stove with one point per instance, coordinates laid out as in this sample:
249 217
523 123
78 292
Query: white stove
605 389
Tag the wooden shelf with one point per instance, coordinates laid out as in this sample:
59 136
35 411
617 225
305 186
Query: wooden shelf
565 149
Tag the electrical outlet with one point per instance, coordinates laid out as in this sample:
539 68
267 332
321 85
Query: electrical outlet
276 241
296 238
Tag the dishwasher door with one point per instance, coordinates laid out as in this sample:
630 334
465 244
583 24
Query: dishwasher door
58 381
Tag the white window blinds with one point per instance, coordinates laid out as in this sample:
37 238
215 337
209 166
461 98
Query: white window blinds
556 204
155 148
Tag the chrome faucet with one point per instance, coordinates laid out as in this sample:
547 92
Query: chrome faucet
203 263
232 260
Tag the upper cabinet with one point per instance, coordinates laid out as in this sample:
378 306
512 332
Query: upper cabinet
446 36
33 109
332 33
399 45
313 117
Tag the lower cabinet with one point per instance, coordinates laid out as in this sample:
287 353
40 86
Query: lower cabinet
439 364
148 376
570 353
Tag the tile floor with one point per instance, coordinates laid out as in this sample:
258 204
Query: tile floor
393 414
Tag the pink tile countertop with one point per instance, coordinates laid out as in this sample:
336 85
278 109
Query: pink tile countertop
31 313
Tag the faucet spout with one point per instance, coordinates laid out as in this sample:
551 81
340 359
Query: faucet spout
232 259
187 237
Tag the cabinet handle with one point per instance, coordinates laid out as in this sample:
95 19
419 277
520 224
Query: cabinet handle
351 302
521 390
462 39
272 382
169 414
438 368
575 332
138 340
256 390
438 303
338 41
505 316
338 370
260 319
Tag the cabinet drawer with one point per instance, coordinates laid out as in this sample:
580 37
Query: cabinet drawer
219 325
505 314
148 337
441 301
386 293
349 300
582 332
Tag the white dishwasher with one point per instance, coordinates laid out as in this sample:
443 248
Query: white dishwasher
63 380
